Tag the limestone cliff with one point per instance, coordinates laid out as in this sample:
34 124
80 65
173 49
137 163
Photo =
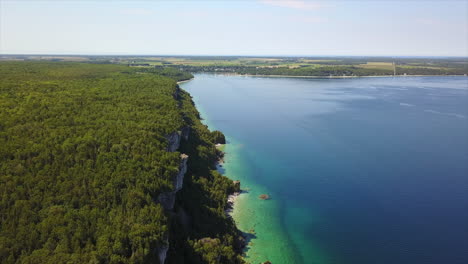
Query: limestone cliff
179 180
174 139
185 132
162 252
167 199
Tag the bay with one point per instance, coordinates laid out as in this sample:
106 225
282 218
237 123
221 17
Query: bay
363 170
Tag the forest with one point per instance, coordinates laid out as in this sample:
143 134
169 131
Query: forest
84 157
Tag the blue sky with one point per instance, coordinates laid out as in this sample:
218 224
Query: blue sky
266 27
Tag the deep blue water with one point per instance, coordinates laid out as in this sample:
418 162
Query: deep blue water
368 170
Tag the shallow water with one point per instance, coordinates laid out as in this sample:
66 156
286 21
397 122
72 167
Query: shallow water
368 170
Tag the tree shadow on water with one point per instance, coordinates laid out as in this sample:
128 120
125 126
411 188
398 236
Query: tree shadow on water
248 237
220 168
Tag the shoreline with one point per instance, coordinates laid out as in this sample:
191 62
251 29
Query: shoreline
329 77
219 164
231 201
318 76
231 198
184 81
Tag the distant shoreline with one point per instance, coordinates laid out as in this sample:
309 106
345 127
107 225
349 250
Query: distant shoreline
329 77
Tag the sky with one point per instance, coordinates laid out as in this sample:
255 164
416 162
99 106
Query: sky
256 27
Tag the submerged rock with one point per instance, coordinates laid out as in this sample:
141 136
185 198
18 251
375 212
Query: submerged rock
264 196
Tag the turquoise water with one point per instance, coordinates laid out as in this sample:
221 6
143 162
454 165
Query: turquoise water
368 170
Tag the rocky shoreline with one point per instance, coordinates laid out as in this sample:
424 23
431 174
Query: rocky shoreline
177 141
231 200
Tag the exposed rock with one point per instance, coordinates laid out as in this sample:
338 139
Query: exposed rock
173 141
179 181
230 203
184 218
185 132
176 137
232 198
162 252
167 199
264 196
176 93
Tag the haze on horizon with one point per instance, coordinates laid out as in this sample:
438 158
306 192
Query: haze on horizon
264 28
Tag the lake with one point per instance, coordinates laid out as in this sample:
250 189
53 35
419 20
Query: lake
359 170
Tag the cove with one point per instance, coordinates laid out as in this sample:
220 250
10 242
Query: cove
365 170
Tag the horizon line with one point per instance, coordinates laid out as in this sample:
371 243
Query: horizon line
224 55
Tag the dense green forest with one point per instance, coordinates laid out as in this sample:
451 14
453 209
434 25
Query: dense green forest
83 160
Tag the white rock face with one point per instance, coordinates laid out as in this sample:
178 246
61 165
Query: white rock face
162 252
167 199
185 132
175 138
173 141
179 181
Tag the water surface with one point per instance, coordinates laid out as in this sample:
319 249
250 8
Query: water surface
368 170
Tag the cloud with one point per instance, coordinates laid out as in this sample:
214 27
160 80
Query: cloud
296 4
136 11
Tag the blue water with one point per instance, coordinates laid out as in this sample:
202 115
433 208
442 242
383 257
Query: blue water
368 170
